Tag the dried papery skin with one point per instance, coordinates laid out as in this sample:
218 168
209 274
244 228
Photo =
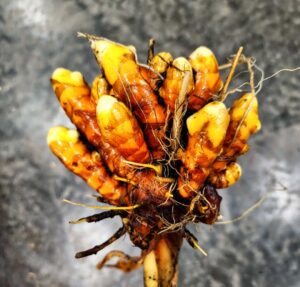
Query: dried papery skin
120 129
68 147
125 263
226 177
207 78
207 130
244 121
173 82
74 97
129 86
99 87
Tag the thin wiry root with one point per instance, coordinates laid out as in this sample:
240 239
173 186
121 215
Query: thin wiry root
263 79
98 248
98 198
124 180
102 207
175 226
157 168
237 60
251 63
249 210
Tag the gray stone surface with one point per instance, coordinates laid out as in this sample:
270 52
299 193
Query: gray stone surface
36 243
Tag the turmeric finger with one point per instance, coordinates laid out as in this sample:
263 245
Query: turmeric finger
244 121
120 129
207 79
173 82
68 147
109 55
207 130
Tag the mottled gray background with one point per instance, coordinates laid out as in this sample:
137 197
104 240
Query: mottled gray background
36 243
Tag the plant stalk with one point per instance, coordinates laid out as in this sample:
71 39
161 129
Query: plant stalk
161 261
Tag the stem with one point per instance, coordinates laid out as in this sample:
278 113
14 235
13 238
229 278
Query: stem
161 263
151 44
230 75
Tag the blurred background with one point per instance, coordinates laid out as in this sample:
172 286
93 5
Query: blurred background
37 244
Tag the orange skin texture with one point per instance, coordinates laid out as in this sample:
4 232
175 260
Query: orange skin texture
196 161
150 76
89 166
207 130
207 81
173 82
153 74
120 129
122 71
132 89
